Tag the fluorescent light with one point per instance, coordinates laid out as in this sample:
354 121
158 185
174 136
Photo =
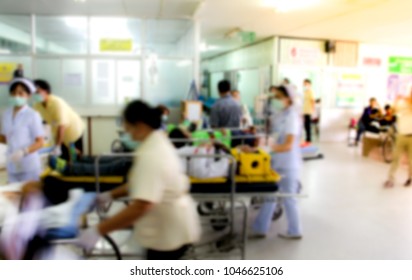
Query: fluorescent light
75 22
79 1
290 5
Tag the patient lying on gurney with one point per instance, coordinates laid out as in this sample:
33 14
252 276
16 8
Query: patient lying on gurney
200 167
85 166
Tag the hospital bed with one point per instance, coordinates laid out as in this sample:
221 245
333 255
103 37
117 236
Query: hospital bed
231 190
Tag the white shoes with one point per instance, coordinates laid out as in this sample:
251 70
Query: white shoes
289 236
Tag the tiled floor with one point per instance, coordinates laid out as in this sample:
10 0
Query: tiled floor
347 215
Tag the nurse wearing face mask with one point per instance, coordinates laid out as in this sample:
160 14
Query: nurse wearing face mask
286 160
22 132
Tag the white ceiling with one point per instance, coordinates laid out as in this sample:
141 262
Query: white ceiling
137 8
372 21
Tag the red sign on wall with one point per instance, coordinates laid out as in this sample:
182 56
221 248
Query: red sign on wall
372 61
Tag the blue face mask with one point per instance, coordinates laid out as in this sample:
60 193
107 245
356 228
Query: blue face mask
128 141
38 98
278 105
165 118
17 101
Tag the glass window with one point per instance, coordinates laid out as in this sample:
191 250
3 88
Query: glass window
168 81
103 85
174 38
215 79
67 77
248 86
61 35
128 81
74 81
15 34
115 36
8 65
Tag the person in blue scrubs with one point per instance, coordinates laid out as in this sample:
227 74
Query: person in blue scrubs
287 161
22 131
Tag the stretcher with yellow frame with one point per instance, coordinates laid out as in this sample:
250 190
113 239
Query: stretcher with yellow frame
249 175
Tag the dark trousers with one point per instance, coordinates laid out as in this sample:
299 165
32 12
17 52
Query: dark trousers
308 127
108 166
167 255
67 154
361 130
56 190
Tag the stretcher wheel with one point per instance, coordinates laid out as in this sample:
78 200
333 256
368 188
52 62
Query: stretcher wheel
114 247
219 224
226 244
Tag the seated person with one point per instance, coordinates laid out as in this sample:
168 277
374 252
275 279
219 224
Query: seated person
389 118
370 114
200 167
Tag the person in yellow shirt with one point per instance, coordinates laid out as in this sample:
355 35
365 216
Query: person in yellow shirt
67 126
308 108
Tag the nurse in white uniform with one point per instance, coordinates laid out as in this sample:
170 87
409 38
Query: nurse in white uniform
287 161
162 211
22 131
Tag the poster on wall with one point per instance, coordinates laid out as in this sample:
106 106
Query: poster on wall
350 90
302 52
400 77
6 72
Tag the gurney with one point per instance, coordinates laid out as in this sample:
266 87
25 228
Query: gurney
241 182
65 235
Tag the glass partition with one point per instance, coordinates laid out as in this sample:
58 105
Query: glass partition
67 77
173 38
97 61
15 34
169 84
103 82
61 35
115 36
128 81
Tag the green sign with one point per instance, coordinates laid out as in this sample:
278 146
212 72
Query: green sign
400 65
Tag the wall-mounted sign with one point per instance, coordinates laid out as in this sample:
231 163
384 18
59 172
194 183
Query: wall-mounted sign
302 52
400 65
248 37
350 90
6 72
116 45
372 61
398 85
